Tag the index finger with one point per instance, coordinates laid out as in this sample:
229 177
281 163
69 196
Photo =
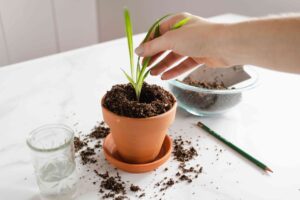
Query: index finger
167 24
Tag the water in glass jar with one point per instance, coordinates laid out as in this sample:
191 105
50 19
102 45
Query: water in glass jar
57 180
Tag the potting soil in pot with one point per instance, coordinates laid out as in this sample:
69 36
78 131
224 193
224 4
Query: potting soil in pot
154 100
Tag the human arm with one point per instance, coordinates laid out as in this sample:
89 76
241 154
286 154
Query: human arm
272 42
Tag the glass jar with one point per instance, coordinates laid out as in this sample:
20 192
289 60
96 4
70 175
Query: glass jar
52 150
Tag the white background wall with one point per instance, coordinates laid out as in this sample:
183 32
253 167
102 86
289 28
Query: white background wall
34 28
144 12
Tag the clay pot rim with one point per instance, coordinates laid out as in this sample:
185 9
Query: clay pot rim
140 119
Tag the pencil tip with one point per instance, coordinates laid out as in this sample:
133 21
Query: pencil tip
199 124
268 170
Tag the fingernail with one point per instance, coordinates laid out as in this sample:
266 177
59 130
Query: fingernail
139 50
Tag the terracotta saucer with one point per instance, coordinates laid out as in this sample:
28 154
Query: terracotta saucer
111 154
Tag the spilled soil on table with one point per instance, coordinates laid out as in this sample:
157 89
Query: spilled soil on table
111 185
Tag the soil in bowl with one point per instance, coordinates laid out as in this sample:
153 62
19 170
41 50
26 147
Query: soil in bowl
154 100
206 101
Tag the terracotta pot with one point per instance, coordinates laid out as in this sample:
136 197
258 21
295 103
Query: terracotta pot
138 140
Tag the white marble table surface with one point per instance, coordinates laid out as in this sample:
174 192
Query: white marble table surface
67 87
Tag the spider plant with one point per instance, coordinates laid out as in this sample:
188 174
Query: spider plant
139 74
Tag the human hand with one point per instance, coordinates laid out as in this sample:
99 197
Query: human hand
194 43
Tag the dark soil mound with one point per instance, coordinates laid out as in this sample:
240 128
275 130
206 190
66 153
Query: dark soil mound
207 85
154 100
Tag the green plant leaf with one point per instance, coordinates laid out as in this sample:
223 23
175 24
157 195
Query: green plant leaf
129 79
146 74
139 74
180 23
138 68
140 84
144 66
128 28
138 90
142 76
157 31
153 26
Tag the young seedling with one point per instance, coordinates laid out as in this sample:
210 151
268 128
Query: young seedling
139 73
